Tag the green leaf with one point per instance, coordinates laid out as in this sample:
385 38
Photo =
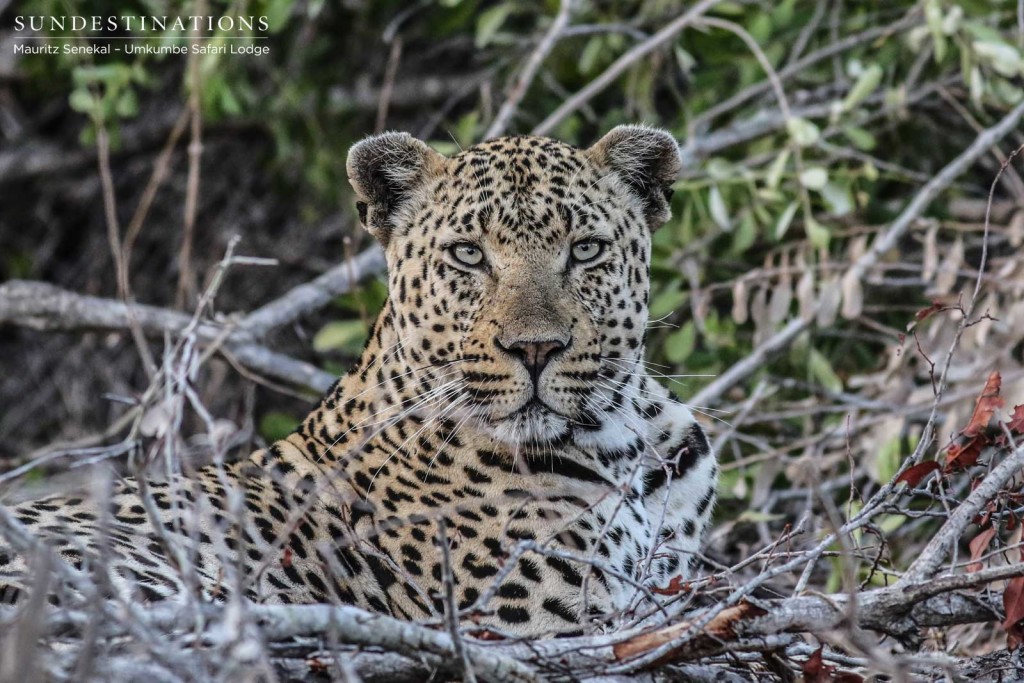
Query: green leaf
1005 59
276 425
681 343
775 171
861 138
886 462
814 178
821 371
591 54
803 132
718 210
867 83
755 516
782 225
490 21
933 18
816 232
745 233
667 301
81 100
345 335
838 199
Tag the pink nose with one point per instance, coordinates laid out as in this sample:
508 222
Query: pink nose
533 354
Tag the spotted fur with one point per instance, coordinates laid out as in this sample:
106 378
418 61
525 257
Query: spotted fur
505 400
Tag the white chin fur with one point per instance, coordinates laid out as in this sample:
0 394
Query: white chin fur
532 427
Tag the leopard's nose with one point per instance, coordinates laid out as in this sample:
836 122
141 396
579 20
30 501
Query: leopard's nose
533 354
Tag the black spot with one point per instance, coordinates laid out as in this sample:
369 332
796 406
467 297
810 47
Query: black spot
560 610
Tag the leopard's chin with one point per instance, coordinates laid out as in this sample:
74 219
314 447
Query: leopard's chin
531 425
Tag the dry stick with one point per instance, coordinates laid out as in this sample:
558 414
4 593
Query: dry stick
389 84
314 295
186 278
609 75
42 306
359 627
522 84
451 610
882 244
160 169
935 553
114 238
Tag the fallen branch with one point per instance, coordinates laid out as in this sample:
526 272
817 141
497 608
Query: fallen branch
42 306
314 295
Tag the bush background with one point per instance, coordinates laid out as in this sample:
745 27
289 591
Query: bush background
777 198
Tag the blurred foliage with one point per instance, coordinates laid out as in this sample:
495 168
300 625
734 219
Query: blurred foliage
776 195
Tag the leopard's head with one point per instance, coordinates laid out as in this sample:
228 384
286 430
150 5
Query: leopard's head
518 268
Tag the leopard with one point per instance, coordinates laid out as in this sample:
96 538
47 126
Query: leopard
501 451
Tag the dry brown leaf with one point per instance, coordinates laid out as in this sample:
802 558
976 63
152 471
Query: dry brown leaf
805 294
853 295
1013 607
740 293
985 407
949 270
931 253
674 587
913 475
1015 229
782 298
828 304
815 670
1016 422
978 545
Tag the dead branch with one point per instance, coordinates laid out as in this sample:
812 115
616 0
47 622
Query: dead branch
42 306
314 295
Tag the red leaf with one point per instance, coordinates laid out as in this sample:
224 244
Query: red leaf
815 669
973 438
286 558
960 456
1013 606
674 587
914 475
484 634
986 406
1016 423
926 313
978 546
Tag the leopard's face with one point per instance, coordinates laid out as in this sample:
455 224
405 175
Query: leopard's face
519 279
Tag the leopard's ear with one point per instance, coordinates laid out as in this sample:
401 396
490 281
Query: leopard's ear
645 159
385 170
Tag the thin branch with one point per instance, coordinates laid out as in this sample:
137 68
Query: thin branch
529 72
633 55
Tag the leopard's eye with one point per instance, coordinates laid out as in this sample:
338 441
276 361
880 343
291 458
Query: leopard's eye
587 250
467 254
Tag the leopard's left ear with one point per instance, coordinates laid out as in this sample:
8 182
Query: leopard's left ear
647 160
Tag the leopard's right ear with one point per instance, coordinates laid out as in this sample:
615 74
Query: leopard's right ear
385 170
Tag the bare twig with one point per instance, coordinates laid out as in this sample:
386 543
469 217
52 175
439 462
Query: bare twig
608 76
526 76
